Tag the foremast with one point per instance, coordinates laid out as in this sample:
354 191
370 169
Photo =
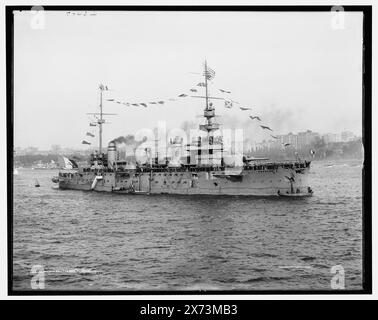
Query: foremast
100 120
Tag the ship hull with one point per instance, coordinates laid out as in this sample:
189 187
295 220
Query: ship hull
273 182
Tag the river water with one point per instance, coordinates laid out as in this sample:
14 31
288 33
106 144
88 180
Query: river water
99 241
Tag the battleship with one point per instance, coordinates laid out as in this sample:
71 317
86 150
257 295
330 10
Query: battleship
204 169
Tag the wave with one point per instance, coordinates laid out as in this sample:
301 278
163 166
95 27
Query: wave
265 279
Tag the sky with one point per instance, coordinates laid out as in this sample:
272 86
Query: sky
295 70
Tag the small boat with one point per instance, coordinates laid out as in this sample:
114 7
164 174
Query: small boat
130 190
296 195
36 184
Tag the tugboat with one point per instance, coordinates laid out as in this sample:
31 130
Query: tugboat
202 170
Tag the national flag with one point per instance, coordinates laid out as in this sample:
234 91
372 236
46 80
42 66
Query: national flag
209 73
85 142
73 163
224 91
90 134
135 104
183 95
66 163
92 124
193 90
143 104
161 102
152 102
201 84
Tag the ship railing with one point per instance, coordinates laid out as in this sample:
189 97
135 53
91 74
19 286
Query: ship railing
268 166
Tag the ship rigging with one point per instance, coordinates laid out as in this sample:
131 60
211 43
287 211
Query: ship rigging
200 171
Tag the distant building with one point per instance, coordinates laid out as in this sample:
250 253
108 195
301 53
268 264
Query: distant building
306 138
298 140
347 136
332 137
263 145
288 138
344 136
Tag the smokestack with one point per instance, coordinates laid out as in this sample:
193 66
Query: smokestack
112 154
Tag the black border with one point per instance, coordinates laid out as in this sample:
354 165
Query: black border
366 137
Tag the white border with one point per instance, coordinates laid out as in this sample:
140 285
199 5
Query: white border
3 159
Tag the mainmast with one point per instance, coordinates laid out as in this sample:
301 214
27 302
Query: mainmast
207 95
209 114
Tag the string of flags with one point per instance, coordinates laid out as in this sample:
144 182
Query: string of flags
265 127
210 75
89 135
